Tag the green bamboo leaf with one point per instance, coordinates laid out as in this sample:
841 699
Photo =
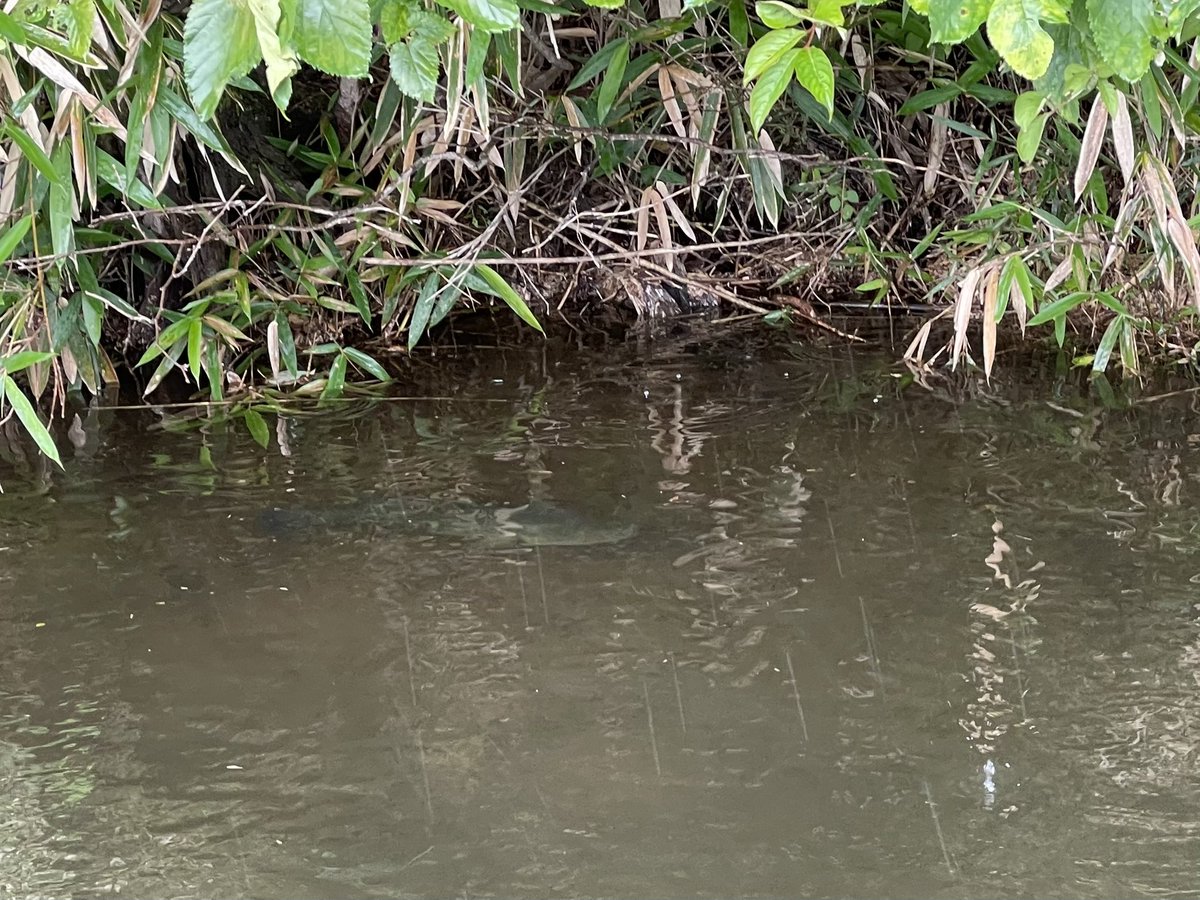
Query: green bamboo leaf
509 296
1123 31
80 18
1015 30
767 49
334 35
477 54
136 135
739 23
167 338
367 363
62 205
447 297
29 418
257 427
770 87
93 317
422 309
1107 299
108 298
25 359
116 176
815 74
336 382
614 80
195 348
1059 308
1107 342
287 343
10 30
219 44
31 151
597 64
175 108
359 294
13 236
1129 356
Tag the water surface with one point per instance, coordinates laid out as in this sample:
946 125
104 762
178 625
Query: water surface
869 640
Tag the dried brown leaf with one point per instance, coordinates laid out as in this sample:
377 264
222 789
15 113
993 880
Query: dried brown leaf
1122 132
576 121
991 287
643 219
938 133
1089 148
962 314
916 348
1060 274
680 219
666 89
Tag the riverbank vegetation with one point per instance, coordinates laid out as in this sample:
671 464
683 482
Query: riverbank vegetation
261 198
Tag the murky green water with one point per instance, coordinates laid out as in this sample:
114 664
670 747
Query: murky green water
845 606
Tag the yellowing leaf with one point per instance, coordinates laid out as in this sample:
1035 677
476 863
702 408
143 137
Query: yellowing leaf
1015 30
767 49
219 46
952 21
815 74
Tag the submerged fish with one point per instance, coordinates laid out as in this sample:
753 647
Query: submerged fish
536 524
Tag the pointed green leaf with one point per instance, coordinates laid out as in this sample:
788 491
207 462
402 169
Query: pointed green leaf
367 363
614 80
29 418
1059 308
1107 343
257 427
769 87
767 49
422 309
815 74
195 348
10 29
31 150
62 205
504 290
13 236
335 384
25 359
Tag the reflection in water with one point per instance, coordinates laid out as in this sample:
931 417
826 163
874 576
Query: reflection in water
864 643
